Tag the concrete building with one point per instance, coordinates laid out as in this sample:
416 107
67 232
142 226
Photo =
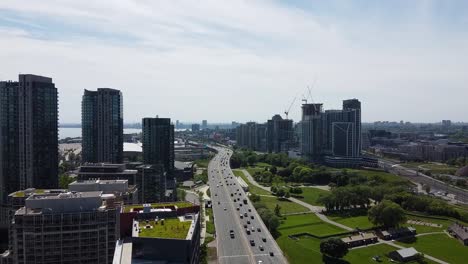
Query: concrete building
279 134
102 126
152 182
204 124
128 194
103 171
132 152
28 137
142 243
65 228
252 136
158 143
460 232
195 127
311 131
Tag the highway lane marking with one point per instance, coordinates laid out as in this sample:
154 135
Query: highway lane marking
243 256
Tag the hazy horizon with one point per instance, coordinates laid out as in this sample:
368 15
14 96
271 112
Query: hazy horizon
238 61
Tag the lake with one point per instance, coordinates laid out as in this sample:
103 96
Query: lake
65 132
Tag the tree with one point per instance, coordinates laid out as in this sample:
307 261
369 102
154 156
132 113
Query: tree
254 198
278 210
287 195
333 247
252 159
280 192
273 169
65 180
387 213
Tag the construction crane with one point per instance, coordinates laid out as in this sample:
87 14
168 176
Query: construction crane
287 111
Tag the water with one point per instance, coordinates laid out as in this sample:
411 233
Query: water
65 132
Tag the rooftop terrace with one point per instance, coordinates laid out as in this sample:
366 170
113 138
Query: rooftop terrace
172 228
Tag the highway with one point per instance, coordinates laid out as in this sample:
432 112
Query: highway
237 248
460 195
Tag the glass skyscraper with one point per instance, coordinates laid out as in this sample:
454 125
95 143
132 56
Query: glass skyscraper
102 126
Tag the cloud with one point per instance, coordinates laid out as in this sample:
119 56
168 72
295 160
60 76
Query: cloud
238 60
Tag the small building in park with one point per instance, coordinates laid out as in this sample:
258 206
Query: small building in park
360 240
405 254
460 232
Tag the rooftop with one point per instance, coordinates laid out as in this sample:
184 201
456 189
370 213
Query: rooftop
407 252
361 236
173 228
132 147
139 207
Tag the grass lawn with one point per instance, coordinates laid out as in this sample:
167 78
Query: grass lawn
202 163
307 223
432 167
311 195
172 228
420 229
305 249
252 170
360 221
440 246
210 227
287 206
238 173
387 176
364 255
252 188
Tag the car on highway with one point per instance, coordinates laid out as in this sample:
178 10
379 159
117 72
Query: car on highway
248 232
271 253
250 210
241 217
248 222
253 229
231 233
251 217
245 214
225 209
238 208
245 226
264 239
252 242
258 229
261 248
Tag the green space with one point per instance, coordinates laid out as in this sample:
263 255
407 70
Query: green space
210 227
238 173
287 207
359 221
202 163
167 228
420 229
252 188
387 177
440 246
181 204
307 223
311 195
437 168
304 249
365 254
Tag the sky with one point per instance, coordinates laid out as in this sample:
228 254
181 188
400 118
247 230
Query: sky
245 60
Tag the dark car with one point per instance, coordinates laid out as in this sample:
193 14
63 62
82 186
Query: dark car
258 229
251 217
252 243
271 253
261 248
264 239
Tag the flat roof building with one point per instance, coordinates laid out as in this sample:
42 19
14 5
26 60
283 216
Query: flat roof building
66 227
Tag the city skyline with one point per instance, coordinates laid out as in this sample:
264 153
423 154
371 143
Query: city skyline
168 57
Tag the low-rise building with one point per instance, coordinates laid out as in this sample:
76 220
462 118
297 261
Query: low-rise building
360 240
460 232
105 171
183 171
120 188
159 233
394 233
405 255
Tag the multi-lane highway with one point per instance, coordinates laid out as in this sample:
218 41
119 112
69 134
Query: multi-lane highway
241 235
460 195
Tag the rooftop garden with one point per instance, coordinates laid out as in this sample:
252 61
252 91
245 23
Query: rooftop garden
165 228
